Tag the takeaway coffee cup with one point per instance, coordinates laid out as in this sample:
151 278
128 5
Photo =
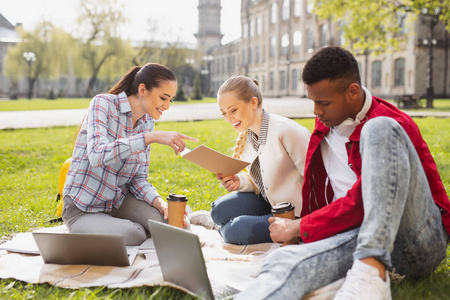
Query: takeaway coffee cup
285 210
177 207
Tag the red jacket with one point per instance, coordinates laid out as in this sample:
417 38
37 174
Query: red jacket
320 221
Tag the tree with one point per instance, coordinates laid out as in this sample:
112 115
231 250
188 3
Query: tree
100 41
175 55
180 92
372 26
196 93
50 48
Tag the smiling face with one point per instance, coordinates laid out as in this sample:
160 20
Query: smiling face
240 114
334 102
158 99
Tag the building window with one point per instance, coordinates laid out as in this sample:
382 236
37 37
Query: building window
376 73
399 79
309 40
250 56
245 31
340 37
294 79
323 35
264 53
271 80
286 9
401 23
285 44
266 23
297 8
309 6
257 54
244 60
297 41
282 80
259 25
274 13
252 27
273 44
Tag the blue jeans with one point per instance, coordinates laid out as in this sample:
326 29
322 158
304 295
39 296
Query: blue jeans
243 218
402 226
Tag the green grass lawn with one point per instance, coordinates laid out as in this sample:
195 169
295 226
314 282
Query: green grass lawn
29 167
68 103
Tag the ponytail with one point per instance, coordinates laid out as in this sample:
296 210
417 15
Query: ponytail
151 75
125 83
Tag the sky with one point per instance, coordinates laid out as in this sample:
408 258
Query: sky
176 19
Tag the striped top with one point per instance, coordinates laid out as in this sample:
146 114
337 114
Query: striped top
110 158
255 141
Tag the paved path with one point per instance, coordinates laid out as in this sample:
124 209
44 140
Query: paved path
289 107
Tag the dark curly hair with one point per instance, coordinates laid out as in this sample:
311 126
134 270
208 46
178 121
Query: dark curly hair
333 63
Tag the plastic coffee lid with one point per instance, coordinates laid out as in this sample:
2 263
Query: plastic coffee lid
282 208
177 198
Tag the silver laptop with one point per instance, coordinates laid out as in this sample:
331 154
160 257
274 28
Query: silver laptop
84 249
181 260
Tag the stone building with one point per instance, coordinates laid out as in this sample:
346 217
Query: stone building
279 36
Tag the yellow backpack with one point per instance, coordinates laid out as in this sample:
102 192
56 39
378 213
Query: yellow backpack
62 179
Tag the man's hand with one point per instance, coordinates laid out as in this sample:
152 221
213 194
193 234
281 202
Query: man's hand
282 229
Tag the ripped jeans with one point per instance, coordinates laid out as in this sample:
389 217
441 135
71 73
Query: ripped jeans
402 226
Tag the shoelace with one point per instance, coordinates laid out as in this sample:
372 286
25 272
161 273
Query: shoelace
395 277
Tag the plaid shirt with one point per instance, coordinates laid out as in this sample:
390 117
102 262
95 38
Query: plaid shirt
110 158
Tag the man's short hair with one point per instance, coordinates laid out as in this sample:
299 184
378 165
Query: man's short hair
331 63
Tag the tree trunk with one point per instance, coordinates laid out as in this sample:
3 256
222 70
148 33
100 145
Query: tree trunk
31 82
90 87
93 79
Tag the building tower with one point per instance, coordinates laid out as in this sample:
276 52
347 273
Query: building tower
208 34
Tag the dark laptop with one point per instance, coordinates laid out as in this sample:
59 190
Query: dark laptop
84 249
181 260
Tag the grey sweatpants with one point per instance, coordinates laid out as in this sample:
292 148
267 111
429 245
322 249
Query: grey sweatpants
130 220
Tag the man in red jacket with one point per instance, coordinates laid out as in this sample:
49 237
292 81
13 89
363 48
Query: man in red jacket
373 199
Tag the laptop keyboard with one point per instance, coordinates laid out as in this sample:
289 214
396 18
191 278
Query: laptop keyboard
222 291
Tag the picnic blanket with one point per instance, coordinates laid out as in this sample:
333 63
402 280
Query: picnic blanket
240 262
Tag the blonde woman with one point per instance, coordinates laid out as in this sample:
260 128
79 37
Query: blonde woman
276 146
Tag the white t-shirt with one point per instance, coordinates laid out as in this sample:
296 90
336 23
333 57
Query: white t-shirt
334 152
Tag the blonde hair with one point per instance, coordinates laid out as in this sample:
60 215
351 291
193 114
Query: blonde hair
245 88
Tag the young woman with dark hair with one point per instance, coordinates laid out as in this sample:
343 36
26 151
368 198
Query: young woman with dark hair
107 189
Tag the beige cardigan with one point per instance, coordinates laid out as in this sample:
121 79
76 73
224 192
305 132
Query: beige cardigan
282 162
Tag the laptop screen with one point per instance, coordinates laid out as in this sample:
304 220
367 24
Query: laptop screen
85 249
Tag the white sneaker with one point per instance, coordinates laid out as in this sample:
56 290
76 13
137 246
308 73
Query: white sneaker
202 218
363 282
